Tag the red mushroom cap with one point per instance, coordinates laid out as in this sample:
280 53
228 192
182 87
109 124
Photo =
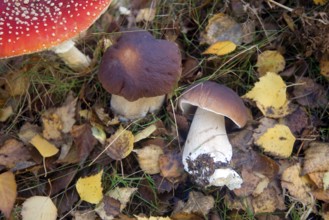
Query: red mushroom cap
28 26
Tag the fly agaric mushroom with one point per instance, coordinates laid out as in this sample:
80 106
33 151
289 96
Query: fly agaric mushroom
207 151
139 70
29 26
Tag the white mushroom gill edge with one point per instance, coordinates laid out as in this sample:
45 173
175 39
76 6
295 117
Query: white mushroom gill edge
72 57
207 135
136 109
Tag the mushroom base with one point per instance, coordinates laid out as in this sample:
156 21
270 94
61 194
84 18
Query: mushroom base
71 56
136 109
207 151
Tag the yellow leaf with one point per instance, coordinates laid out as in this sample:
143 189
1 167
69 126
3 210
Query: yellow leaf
277 141
270 95
320 2
90 188
5 113
39 208
45 148
221 48
120 144
145 133
8 192
270 61
326 181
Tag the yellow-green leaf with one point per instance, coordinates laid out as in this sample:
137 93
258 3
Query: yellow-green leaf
277 141
90 188
221 48
45 148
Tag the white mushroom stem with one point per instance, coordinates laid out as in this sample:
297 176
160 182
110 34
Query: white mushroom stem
207 136
72 57
136 109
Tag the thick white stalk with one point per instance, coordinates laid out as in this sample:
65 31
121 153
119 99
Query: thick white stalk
207 139
72 57
136 109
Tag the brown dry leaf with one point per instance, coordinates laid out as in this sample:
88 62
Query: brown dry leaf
145 133
262 185
197 203
270 96
268 201
296 121
83 139
17 83
270 61
250 181
221 27
309 93
45 148
171 166
13 152
316 158
186 216
56 121
277 141
297 185
105 118
90 188
324 65
290 22
220 48
120 144
39 208
148 158
111 206
5 113
152 218
321 194
317 178
8 193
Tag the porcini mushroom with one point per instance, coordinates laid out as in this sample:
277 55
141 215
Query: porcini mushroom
207 151
30 26
139 70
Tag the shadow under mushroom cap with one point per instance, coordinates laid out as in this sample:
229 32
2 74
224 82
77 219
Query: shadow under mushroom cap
139 65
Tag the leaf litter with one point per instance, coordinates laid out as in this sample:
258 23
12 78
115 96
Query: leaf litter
50 143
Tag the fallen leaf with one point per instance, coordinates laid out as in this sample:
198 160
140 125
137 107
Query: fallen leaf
277 141
297 121
152 218
146 14
324 65
90 188
197 203
145 133
321 194
99 133
220 48
320 2
261 186
250 182
268 201
148 158
111 206
309 93
45 148
297 185
317 178
221 27
56 121
171 166
13 152
39 208
5 113
120 144
270 61
84 215
122 194
316 158
16 83
326 181
270 96
84 140
8 193
186 216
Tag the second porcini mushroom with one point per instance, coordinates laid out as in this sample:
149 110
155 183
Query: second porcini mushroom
139 70
207 151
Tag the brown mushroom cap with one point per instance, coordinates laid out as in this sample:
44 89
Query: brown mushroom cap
139 65
215 98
